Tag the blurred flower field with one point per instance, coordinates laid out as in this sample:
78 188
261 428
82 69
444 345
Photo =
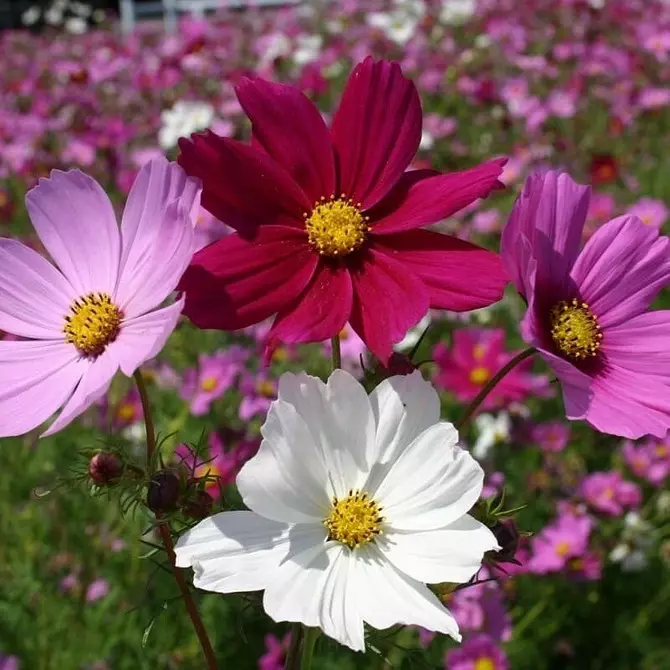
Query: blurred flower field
572 84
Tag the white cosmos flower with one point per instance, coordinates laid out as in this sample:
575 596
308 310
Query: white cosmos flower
184 118
356 503
491 430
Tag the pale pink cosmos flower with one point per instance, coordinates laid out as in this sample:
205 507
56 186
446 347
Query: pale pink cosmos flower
609 493
650 211
97 308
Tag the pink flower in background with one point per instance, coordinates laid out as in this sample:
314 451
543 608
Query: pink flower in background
475 355
601 207
258 391
275 654
649 460
588 567
478 652
216 373
352 348
9 662
492 485
97 590
487 221
552 436
587 312
649 211
97 310
609 493
128 410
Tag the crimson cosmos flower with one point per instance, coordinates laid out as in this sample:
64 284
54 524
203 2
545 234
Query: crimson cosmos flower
328 221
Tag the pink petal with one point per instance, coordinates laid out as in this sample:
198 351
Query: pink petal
34 296
242 185
154 271
550 213
621 269
37 378
320 312
290 128
388 300
93 385
376 130
458 276
143 337
235 282
422 197
76 223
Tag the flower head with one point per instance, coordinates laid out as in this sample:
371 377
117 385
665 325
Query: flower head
609 493
587 312
356 502
98 309
328 221
479 652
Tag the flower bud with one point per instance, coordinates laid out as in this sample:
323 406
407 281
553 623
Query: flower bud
198 506
105 468
399 364
163 492
508 536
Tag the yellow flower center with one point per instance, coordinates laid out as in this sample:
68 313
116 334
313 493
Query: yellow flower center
484 663
208 384
207 470
563 548
94 321
266 388
125 412
575 329
336 227
354 520
479 375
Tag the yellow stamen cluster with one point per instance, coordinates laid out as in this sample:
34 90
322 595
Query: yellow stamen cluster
575 329
336 227
479 376
354 520
266 388
484 663
208 384
93 323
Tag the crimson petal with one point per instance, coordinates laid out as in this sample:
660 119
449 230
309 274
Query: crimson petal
376 130
458 275
235 283
291 130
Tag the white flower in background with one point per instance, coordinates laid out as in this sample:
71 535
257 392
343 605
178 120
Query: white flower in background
413 334
276 45
457 11
491 430
636 540
31 16
357 502
400 24
308 49
75 25
184 118
427 140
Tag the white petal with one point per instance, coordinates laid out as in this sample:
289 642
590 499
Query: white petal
339 416
432 483
403 407
387 597
452 554
286 480
319 590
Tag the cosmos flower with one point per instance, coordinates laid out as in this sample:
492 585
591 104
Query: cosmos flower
328 221
609 493
356 503
587 312
98 309
479 652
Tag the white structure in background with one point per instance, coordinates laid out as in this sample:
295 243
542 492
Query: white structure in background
184 118
170 9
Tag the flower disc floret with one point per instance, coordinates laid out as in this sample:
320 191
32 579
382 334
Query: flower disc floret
336 227
575 330
94 321
354 520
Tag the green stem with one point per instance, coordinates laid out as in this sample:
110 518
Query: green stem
293 653
491 384
336 355
166 538
311 635
402 639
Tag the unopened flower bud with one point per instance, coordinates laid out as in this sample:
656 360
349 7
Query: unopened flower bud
508 536
399 364
105 468
198 506
163 492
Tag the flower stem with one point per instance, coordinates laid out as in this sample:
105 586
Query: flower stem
311 635
293 653
166 537
491 384
336 352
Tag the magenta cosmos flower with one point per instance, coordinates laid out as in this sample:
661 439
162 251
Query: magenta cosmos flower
98 309
328 221
587 312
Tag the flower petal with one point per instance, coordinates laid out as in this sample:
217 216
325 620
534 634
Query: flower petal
387 597
621 269
77 225
420 199
450 554
156 235
143 337
432 483
34 297
376 130
242 185
93 385
291 130
389 299
458 275
320 312
234 282
37 378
